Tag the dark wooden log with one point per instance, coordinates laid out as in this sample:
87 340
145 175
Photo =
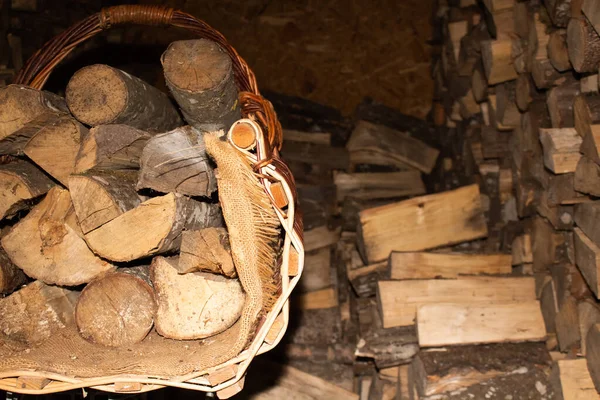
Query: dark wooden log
200 76
99 94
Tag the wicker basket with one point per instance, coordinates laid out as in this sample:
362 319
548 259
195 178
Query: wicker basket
226 379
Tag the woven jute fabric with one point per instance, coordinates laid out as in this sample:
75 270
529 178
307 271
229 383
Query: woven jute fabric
254 232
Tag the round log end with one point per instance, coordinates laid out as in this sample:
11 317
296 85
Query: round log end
96 94
243 136
116 310
196 65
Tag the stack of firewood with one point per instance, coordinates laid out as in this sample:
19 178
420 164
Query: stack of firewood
109 206
517 86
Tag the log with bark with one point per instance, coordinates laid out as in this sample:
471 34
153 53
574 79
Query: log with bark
20 183
200 75
99 94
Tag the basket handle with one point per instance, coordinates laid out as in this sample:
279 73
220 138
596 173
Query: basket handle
38 68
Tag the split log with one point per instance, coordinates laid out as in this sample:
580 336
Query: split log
479 86
506 111
494 144
379 232
388 347
559 11
549 305
398 300
322 159
177 162
560 103
591 10
560 190
47 244
154 227
557 50
587 177
589 146
583 44
33 314
320 237
15 142
573 380
364 279
567 326
569 283
589 84
378 185
318 300
99 94
116 310
497 60
588 315
521 250
561 149
547 245
560 216
200 75
446 265
587 216
20 104
101 196
55 148
587 257
11 276
525 92
220 301
586 111
545 75
111 147
468 323
391 147
593 354
457 368
206 250
20 182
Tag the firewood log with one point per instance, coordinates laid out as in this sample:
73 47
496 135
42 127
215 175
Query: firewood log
206 250
545 75
572 379
380 234
587 177
31 315
497 60
589 83
55 148
398 300
378 185
593 354
458 368
20 104
21 182
111 147
560 103
587 257
153 227
561 149
47 244
116 310
591 10
101 196
195 305
99 94
506 111
586 112
559 11
11 276
177 162
201 78
583 44
479 84
557 50
390 147
567 326
588 315
15 142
